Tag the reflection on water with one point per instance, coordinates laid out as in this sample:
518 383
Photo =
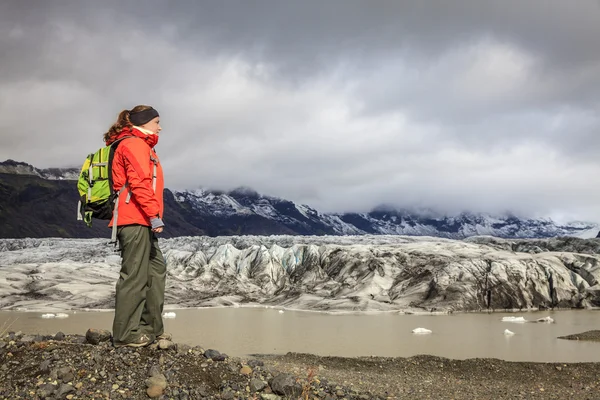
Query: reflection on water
241 331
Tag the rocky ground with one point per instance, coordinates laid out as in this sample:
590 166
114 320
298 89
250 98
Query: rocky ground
88 367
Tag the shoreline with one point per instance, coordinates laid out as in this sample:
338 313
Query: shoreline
70 366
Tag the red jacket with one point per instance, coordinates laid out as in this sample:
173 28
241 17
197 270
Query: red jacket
132 164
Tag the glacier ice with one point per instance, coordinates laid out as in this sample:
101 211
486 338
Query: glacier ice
169 315
518 320
421 331
508 333
326 273
548 320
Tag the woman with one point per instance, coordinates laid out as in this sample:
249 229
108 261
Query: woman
137 175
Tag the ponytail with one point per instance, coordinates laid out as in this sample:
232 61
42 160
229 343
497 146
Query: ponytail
123 122
117 127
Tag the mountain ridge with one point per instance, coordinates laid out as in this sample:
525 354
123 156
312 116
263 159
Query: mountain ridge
30 191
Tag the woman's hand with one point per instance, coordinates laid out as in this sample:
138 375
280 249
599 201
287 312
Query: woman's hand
157 230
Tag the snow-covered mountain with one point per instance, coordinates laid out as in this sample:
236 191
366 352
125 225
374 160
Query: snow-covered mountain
327 273
21 168
304 219
31 192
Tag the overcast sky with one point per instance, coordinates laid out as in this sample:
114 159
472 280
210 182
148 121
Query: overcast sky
486 106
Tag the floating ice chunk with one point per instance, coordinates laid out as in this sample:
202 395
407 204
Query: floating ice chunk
169 315
280 311
508 333
421 331
519 320
46 316
62 315
547 320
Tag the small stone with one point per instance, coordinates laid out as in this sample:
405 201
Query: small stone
286 385
59 336
45 367
165 344
211 354
228 395
246 370
269 396
255 363
158 380
115 386
79 385
63 390
154 371
154 391
256 385
46 390
27 339
559 368
96 336
183 348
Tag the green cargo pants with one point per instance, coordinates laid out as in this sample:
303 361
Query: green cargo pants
141 286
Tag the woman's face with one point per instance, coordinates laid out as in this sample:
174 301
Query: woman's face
153 126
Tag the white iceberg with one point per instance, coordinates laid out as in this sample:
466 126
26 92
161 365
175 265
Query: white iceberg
508 333
421 331
47 316
280 311
518 320
547 320
62 315
169 315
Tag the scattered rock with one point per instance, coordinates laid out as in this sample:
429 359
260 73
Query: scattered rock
286 385
157 380
165 344
63 390
227 395
269 396
214 355
45 367
154 391
245 370
183 348
27 339
154 371
46 390
256 385
96 336
59 336
255 363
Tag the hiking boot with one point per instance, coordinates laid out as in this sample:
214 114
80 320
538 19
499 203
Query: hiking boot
164 336
142 341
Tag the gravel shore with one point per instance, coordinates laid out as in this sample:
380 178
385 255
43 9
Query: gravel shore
88 367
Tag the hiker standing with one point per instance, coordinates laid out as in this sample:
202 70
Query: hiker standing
137 175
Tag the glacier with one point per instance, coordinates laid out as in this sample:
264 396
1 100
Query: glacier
375 273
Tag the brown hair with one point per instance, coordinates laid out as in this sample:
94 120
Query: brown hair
123 122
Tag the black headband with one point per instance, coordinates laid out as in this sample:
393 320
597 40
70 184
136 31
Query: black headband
142 117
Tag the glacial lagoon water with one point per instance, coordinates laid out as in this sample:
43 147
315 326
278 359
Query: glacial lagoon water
254 330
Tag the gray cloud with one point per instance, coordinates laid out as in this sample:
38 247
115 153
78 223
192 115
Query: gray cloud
343 105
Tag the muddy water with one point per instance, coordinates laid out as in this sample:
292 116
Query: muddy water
242 331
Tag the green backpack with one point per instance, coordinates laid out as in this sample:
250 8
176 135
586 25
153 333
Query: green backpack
97 198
